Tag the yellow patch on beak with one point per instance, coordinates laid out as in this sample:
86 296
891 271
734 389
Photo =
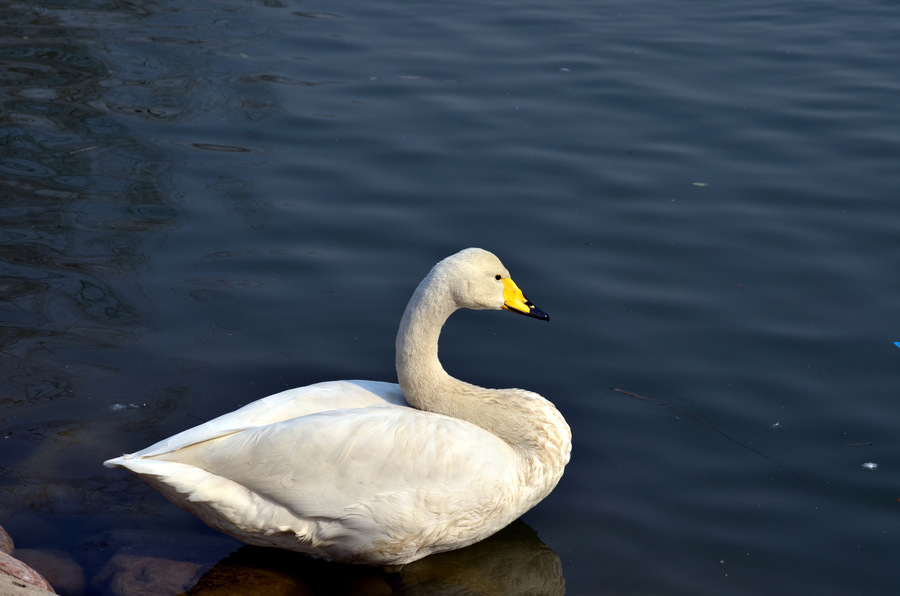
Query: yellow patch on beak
514 300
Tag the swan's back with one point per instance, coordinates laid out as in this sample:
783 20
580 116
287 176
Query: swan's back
292 403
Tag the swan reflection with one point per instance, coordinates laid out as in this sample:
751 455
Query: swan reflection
512 562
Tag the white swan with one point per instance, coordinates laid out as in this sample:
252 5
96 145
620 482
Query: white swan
353 472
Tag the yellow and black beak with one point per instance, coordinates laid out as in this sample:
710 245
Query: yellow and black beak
514 300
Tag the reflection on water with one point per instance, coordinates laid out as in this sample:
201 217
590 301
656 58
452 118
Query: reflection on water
83 207
84 204
512 562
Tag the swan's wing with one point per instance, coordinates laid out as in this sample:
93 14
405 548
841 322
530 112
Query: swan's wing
293 403
356 474
316 462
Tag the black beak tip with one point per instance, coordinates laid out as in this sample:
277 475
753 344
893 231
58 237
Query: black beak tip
538 314
533 312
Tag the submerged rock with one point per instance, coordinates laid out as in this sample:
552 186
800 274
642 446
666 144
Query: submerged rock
58 567
131 575
135 563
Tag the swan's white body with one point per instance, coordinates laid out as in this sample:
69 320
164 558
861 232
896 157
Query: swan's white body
355 472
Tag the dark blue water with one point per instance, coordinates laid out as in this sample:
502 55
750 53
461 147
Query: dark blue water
204 203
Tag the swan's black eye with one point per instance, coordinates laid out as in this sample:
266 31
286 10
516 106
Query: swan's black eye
497 277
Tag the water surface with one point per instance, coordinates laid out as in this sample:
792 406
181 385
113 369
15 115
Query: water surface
207 203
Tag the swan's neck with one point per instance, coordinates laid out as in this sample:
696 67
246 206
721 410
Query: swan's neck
424 382
524 420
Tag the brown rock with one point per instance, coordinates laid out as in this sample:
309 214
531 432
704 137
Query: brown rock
10 586
16 569
6 543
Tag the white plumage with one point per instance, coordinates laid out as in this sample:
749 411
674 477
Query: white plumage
373 472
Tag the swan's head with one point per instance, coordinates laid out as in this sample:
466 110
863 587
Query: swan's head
478 280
